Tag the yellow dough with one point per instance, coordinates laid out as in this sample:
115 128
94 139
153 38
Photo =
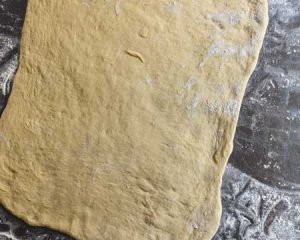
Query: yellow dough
122 114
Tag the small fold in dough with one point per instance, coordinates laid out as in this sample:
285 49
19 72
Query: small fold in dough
110 135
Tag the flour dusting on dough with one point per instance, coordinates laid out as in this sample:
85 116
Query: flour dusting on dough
187 86
193 106
212 107
175 7
118 8
219 48
227 49
232 18
231 107
149 82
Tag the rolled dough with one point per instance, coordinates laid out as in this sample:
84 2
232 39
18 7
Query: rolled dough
122 114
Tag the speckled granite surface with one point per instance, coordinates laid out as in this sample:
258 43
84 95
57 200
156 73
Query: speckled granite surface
260 192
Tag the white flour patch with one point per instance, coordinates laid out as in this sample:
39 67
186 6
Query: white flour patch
232 18
225 49
195 102
8 43
9 68
248 49
175 7
8 235
118 8
7 73
149 82
187 86
212 107
192 107
219 48
231 108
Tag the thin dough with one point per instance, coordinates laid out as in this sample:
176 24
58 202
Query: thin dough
100 145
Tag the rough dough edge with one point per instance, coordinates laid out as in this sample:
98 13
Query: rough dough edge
264 25
210 234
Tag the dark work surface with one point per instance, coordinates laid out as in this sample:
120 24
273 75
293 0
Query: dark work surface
260 192
267 141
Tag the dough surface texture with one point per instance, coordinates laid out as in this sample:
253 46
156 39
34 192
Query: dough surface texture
122 114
